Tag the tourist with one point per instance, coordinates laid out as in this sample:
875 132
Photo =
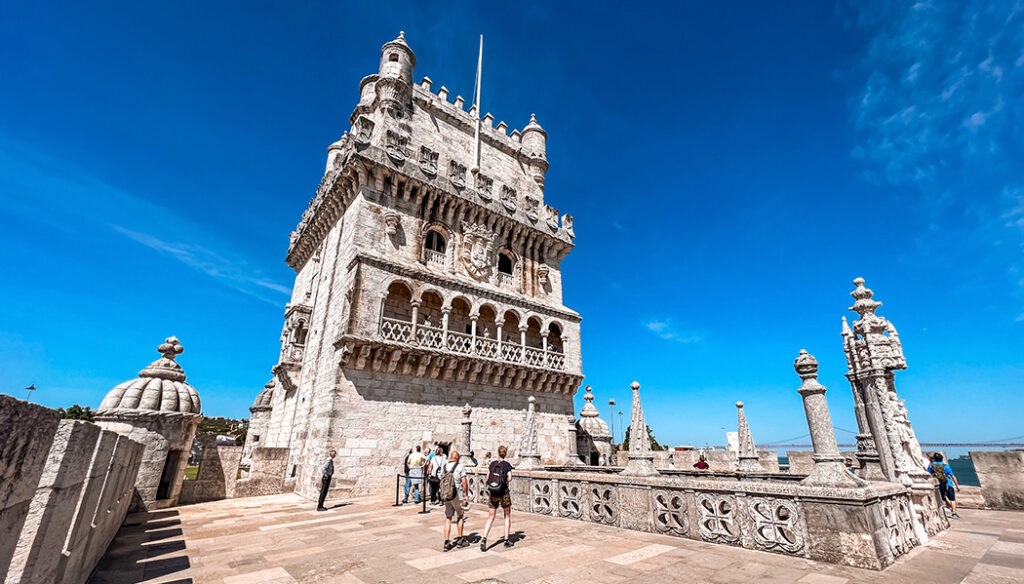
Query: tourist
472 459
454 491
487 460
499 496
942 473
414 475
325 483
437 463
702 463
602 461
849 465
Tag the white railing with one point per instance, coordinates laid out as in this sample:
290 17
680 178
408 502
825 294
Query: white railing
486 347
435 258
534 357
506 280
429 336
511 353
460 342
392 329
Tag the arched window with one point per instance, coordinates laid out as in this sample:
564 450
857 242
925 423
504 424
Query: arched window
434 249
300 333
505 263
393 57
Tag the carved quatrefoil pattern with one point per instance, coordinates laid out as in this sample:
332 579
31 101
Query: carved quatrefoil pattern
603 504
776 524
540 496
718 518
670 512
570 503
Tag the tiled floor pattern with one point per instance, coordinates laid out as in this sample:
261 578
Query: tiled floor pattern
282 540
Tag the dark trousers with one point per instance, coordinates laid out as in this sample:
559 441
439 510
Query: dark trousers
325 484
435 490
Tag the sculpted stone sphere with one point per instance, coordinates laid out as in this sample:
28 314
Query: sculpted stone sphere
634 386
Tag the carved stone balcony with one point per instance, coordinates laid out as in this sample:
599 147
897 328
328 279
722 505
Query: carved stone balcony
435 258
445 354
392 329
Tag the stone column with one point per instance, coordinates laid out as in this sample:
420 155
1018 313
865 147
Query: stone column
529 456
498 323
447 310
522 341
829 470
415 319
749 461
467 430
574 457
472 319
869 385
641 459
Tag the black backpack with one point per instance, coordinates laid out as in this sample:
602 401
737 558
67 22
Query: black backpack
497 481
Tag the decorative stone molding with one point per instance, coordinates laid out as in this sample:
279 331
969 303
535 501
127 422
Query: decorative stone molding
571 502
641 459
478 250
777 524
719 520
670 512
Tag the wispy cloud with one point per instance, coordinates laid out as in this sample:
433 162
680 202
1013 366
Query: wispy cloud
235 273
72 199
664 329
941 108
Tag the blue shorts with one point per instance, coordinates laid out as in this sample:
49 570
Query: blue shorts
947 492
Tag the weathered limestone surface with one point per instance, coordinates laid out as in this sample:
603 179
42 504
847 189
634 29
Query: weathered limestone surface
267 474
26 433
866 527
428 277
159 410
67 487
1001 475
720 460
216 478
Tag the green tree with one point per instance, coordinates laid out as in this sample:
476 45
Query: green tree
76 412
650 435
240 437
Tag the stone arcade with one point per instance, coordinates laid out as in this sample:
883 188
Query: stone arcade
424 282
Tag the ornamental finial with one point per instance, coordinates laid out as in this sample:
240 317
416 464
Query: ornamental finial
806 364
170 348
863 303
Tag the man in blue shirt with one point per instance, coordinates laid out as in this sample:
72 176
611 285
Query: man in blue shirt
942 473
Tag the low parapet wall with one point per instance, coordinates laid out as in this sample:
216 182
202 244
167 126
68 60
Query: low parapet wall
865 527
65 488
719 460
1001 475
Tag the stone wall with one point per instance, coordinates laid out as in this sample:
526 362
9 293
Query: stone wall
865 527
1001 475
267 473
65 489
216 478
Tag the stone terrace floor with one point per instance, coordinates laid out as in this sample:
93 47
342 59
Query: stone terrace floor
281 539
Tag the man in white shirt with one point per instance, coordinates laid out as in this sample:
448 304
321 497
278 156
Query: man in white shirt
456 507
327 468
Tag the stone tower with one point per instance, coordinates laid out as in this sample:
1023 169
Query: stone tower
162 412
422 286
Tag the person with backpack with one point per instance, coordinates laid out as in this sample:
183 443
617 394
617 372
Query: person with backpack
453 491
437 463
942 473
498 493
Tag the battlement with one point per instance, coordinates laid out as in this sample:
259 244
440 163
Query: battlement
458 108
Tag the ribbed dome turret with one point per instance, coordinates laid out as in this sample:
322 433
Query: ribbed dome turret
160 387
264 400
590 419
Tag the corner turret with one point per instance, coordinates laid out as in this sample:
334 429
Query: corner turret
394 84
535 146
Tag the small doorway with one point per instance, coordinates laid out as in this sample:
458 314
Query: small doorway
167 477
595 458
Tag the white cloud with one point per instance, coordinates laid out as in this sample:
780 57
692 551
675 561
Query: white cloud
664 329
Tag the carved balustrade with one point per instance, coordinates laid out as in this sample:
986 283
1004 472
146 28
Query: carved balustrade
765 516
401 331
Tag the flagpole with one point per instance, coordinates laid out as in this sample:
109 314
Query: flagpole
479 71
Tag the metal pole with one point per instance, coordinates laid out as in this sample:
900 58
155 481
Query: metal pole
398 483
423 490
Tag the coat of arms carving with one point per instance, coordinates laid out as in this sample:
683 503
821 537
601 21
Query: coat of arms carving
478 250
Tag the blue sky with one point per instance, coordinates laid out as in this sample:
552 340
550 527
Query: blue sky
731 167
